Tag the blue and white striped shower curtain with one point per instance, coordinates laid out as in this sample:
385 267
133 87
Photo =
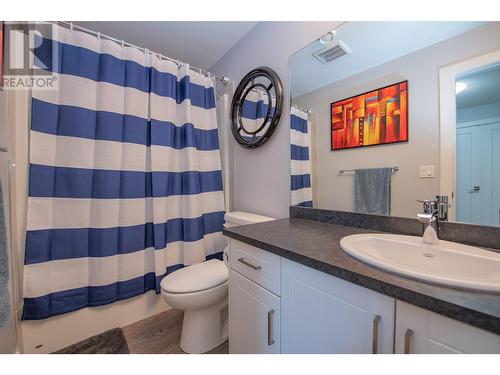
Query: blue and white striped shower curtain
300 164
125 182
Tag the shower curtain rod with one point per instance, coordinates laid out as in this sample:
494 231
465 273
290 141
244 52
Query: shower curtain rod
72 26
302 109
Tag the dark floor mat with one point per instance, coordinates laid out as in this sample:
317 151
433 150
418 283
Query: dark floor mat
109 342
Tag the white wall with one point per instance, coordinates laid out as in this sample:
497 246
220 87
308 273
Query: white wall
421 70
261 177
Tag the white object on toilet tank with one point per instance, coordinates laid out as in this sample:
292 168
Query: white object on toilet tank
234 219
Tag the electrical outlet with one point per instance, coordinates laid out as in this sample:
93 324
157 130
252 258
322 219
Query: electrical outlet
426 171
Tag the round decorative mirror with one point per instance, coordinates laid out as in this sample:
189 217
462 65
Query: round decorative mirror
256 107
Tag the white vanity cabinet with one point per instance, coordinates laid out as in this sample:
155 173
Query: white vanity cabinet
421 331
321 313
280 306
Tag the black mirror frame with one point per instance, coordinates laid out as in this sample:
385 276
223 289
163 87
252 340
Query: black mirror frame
239 97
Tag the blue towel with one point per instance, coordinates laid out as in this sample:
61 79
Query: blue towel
372 191
4 267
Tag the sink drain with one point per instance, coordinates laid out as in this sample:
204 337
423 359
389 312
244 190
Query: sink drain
428 255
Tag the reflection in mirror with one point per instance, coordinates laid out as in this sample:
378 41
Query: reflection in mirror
300 157
370 95
256 107
478 146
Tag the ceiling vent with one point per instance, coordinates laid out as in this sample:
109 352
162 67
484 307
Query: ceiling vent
332 52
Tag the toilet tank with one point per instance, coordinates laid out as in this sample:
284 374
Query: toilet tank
233 219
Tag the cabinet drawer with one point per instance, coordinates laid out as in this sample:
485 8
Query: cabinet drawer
257 265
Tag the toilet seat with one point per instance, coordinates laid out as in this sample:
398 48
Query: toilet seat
195 278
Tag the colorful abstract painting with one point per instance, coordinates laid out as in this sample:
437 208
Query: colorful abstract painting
373 118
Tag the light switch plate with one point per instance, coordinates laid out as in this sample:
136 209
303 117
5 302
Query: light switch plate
426 171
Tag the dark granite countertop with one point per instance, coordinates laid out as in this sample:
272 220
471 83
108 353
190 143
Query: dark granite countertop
317 245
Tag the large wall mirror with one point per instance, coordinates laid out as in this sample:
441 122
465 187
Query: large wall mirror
403 110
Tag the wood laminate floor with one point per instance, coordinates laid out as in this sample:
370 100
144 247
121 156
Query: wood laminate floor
160 334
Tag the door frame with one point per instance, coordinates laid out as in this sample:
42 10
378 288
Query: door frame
447 120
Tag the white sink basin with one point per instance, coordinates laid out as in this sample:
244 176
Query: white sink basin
447 263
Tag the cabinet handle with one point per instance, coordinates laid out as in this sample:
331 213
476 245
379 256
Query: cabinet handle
376 323
246 263
408 336
270 339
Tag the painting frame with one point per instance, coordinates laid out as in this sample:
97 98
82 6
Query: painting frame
384 143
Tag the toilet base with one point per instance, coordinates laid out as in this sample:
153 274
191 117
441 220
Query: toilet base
205 329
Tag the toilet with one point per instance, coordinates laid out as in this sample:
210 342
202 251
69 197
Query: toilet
201 290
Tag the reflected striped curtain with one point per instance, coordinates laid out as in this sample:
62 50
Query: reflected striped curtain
254 111
300 164
125 183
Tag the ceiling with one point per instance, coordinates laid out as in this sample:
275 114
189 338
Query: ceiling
371 43
200 44
483 87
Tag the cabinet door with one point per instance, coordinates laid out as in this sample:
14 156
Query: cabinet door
254 317
421 331
324 314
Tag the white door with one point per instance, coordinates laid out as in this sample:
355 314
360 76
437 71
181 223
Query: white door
254 318
468 176
420 331
478 174
490 197
324 314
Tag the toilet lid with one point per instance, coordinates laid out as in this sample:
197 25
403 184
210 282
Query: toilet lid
196 278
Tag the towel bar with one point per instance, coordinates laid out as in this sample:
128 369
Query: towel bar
344 171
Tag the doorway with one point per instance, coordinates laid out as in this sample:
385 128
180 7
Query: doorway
470 139
477 183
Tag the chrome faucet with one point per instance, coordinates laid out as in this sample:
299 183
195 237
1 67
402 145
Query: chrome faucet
430 216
